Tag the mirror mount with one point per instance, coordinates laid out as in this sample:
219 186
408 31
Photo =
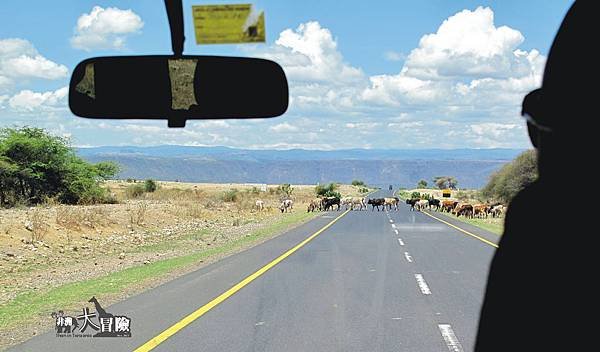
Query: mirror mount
176 121
175 14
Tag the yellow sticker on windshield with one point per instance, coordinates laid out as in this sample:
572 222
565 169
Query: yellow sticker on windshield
226 24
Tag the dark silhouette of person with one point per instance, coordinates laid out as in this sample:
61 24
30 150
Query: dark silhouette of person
541 286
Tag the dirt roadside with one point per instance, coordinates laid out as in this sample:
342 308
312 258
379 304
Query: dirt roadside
49 246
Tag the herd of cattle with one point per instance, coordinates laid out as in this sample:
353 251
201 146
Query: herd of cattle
451 206
416 204
360 203
457 208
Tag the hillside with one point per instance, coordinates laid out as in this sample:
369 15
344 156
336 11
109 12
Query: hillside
403 168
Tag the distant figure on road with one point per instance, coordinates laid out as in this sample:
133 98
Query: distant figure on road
391 187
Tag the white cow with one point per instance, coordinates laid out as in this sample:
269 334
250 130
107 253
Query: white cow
286 205
260 205
422 204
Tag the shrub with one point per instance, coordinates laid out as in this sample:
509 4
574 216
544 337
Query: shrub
358 183
150 185
324 190
285 189
230 196
134 191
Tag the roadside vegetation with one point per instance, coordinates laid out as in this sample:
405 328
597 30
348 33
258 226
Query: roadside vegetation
505 183
36 167
502 186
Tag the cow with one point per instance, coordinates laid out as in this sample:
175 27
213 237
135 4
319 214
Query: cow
463 209
480 210
448 205
314 204
376 203
434 203
497 210
346 201
421 204
286 205
328 203
391 202
412 202
260 205
358 201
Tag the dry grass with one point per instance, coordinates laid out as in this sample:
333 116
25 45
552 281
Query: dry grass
137 213
37 225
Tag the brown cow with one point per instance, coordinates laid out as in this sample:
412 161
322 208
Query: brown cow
448 205
464 209
480 210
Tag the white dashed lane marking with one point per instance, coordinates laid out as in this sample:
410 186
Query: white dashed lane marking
450 338
401 242
422 284
408 257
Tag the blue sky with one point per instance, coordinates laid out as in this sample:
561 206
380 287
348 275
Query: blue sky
385 74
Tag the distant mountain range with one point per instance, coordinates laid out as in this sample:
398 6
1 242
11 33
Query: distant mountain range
401 167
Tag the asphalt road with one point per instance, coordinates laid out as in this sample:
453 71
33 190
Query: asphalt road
372 281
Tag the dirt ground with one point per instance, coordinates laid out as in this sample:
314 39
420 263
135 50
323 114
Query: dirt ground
50 245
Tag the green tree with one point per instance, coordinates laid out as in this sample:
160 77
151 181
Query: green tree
35 165
443 182
505 183
422 184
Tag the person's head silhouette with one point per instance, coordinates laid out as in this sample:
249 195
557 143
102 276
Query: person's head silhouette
561 113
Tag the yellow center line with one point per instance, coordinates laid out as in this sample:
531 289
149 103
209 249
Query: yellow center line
160 338
463 231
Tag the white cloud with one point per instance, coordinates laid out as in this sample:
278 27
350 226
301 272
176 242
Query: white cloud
20 60
362 125
492 129
468 61
310 53
391 55
411 124
29 101
283 127
105 28
320 78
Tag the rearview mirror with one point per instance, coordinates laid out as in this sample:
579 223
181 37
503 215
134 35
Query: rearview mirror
178 88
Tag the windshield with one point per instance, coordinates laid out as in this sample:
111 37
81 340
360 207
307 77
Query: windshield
363 218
